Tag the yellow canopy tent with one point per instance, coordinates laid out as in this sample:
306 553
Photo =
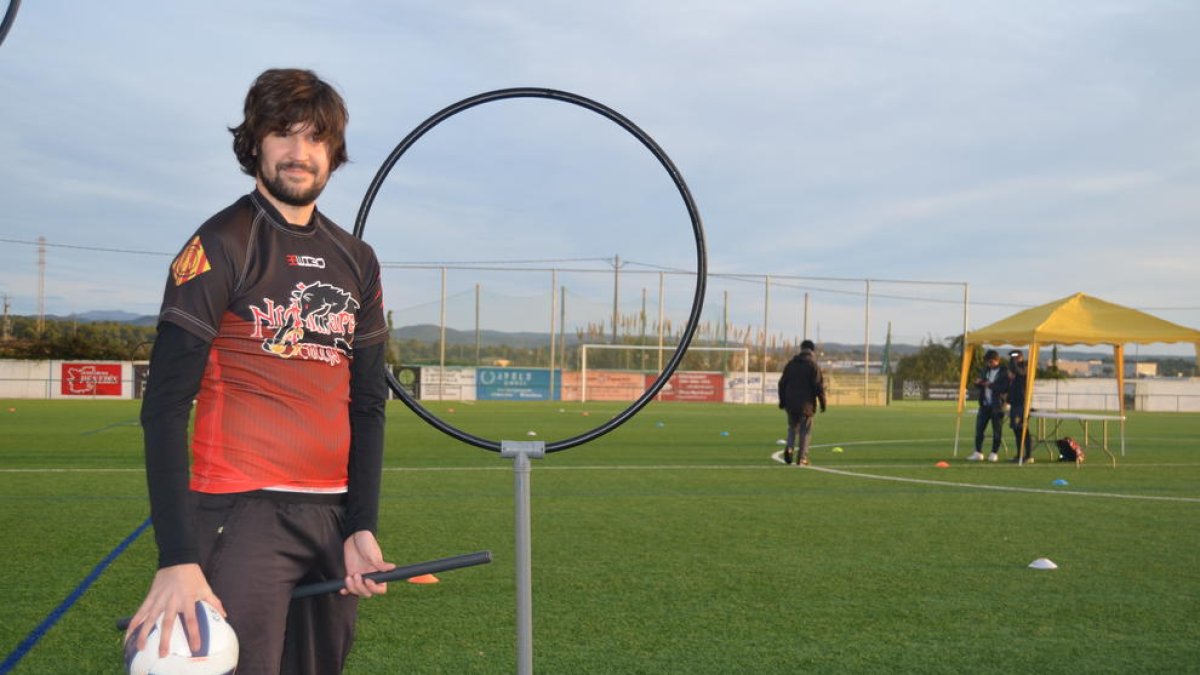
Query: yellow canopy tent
1075 320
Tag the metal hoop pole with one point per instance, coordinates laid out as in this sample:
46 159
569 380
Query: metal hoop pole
521 452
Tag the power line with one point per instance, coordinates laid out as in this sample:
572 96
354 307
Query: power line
469 264
83 248
497 266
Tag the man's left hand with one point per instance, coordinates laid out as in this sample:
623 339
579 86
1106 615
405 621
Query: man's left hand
362 555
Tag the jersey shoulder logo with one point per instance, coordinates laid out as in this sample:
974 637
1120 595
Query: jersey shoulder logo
190 263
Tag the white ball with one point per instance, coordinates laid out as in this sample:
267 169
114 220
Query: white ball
218 653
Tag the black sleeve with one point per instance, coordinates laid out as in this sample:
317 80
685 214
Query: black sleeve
1003 383
368 406
819 386
176 367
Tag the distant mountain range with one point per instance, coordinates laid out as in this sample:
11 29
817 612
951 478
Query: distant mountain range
114 315
431 333
428 333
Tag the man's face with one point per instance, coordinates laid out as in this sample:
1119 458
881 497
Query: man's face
294 166
993 362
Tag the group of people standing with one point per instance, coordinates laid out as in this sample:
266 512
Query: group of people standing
1001 389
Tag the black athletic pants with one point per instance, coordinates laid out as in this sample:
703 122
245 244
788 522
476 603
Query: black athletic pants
258 546
1017 421
993 415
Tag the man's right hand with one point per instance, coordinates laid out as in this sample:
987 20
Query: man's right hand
173 593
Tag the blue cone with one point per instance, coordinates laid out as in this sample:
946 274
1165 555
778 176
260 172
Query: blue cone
1059 482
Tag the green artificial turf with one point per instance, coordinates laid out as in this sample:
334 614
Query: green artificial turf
676 544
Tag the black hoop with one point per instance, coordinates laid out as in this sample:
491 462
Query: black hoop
693 214
10 15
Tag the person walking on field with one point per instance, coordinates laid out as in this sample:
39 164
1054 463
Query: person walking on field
801 391
272 321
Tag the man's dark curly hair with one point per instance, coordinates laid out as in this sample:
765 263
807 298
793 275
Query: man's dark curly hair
281 98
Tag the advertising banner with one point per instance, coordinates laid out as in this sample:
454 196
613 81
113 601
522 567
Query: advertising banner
409 378
90 379
603 385
516 384
692 387
450 384
752 388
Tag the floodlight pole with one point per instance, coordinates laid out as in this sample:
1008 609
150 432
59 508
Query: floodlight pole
521 452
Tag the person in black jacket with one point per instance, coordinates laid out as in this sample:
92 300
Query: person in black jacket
801 389
992 384
1016 401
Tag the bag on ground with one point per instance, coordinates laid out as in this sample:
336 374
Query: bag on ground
1069 450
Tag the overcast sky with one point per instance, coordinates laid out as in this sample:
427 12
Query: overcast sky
1024 151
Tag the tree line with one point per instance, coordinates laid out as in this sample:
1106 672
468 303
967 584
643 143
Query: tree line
75 340
938 363
65 339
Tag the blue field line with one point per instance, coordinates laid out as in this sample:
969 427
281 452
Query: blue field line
30 640
126 423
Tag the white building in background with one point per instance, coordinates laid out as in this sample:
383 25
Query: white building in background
1090 368
1098 368
1141 369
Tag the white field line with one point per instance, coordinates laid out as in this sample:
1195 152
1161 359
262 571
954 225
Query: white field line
505 466
70 470
1003 488
777 456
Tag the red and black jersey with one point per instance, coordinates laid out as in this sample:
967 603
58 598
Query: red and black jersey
284 308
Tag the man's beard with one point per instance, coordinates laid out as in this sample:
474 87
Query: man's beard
288 193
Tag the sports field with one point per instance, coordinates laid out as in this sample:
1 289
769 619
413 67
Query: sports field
676 544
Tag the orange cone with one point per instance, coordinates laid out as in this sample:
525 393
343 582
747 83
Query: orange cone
943 465
424 579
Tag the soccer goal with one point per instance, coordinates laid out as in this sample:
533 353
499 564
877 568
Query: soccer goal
583 365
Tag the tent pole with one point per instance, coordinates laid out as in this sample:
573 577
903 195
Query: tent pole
1030 376
1119 358
962 383
962 389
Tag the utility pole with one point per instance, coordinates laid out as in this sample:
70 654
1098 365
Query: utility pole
642 321
41 321
7 334
616 295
